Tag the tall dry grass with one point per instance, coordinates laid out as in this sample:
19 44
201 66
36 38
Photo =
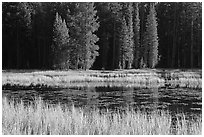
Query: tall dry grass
43 119
71 78
137 78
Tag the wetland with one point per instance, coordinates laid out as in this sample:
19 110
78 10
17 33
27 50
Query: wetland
152 99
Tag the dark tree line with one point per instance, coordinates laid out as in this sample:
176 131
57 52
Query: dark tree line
180 34
38 35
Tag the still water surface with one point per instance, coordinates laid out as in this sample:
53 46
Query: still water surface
175 100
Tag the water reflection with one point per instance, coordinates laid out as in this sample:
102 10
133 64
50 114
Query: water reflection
185 100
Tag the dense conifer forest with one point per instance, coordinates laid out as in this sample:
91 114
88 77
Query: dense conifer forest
104 35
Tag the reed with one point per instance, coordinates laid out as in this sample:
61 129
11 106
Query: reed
40 118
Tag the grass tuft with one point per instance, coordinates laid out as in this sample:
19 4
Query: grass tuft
40 118
131 78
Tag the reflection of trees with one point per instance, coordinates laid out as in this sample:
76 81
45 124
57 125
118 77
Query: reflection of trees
91 97
120 97
154 98
112 97
128 96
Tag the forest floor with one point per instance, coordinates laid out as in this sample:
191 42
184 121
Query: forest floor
188 78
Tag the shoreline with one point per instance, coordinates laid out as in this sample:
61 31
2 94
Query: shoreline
144 78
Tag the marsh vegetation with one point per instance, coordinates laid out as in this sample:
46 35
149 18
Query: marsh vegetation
132 78
44 119
143 102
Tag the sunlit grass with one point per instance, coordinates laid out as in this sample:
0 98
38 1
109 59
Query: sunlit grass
134 78
41 118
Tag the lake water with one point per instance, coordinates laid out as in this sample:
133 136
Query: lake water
188 101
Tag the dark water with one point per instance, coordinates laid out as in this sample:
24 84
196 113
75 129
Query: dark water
176 100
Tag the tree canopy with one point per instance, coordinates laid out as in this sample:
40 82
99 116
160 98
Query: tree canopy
102 35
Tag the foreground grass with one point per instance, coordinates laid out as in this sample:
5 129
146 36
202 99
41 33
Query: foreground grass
134 78
41 118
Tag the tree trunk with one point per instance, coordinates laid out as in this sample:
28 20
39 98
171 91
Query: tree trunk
44 52
146 55
136 37
105 48
141 36
199 52
178 58
114 36
182 49
39 53
174 37
17 48
191 43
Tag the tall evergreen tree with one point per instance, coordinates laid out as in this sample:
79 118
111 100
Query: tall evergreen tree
126 36
43 18
30 26
178 46
84 24
60 45
151 39
193 10
143 11
123 44
130 35
136 26
109 17
16 25
115 19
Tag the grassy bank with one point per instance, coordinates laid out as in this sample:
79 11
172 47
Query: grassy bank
136 78
42 118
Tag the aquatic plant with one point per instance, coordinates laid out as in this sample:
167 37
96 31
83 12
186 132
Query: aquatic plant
40 118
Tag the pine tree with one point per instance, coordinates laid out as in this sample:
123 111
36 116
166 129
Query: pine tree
151 39
126 36
123 44
16 25
60 45
84 23
115 9
136 35
192 14
130 35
